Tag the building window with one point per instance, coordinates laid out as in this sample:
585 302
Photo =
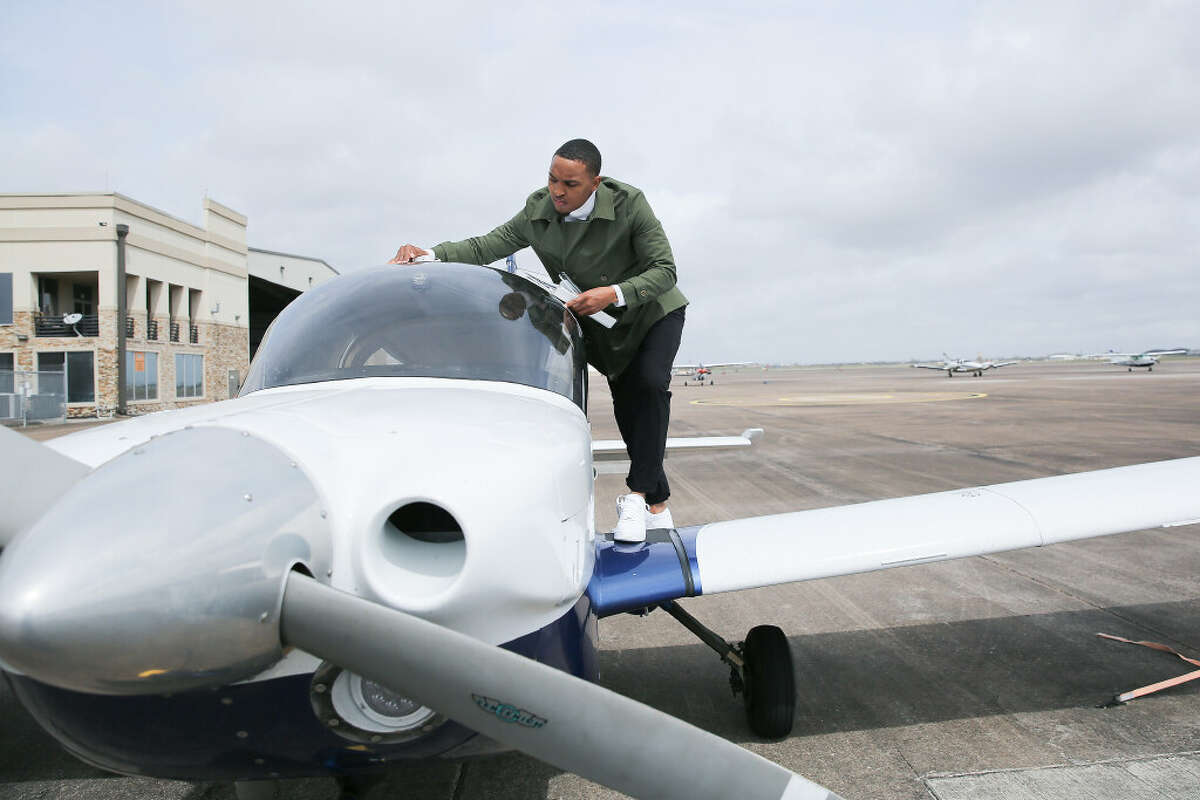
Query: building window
7 381
52 378
189 375
71 374
48 296
81 377
82 296
141 375
6 311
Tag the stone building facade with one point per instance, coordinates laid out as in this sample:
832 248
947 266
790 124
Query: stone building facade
188 304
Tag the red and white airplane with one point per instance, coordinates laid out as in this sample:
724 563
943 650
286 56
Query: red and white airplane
700 373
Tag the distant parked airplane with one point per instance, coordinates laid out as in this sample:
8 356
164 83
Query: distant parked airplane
699 373
952 365
1146 358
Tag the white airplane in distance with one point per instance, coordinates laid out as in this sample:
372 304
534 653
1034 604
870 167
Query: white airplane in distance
384 551
952 365
700 373
1146 358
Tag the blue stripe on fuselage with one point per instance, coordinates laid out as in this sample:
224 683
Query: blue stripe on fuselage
264 729
633 576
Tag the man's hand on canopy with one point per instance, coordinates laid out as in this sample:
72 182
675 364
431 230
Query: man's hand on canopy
593 300
407 253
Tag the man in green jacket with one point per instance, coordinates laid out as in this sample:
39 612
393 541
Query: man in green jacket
604 236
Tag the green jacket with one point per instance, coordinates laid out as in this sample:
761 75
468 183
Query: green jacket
622 243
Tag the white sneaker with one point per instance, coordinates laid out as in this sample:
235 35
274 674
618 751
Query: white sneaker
631 519
660 520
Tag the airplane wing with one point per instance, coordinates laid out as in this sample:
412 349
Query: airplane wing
614 449
821 543
711 364
1002 364
1175 352
941 367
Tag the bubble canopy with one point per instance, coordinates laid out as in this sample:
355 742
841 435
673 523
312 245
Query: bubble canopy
428 320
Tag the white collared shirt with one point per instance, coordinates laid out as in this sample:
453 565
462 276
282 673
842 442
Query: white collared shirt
584 211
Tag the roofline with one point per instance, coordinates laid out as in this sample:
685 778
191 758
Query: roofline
114 195
293 255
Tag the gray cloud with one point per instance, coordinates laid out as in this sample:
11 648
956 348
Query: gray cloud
857 182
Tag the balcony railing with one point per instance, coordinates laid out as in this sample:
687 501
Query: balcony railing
194 334
174 331
129 326
53 325
152 330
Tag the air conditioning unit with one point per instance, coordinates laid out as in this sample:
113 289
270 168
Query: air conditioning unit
10 406
46 406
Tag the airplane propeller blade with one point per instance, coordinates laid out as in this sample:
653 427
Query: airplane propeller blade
32 478
549 714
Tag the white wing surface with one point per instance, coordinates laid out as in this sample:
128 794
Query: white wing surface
942 367
761 551
614 449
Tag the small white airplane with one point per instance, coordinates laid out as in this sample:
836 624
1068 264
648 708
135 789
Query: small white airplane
699 373
384 550
952 365
1146 358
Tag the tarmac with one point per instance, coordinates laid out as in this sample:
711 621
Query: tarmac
976 679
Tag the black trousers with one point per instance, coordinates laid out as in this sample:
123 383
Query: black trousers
642 405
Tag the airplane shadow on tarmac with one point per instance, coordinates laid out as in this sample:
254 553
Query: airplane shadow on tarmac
882 678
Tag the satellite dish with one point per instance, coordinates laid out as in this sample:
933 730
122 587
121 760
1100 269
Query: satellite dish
71 319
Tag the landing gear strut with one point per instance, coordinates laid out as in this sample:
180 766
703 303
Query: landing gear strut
760 668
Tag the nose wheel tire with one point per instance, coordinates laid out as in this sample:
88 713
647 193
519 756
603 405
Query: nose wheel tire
770 682
760 668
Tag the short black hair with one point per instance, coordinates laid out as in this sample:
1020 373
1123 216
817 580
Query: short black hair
581 150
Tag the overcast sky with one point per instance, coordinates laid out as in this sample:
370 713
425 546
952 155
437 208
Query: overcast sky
840 181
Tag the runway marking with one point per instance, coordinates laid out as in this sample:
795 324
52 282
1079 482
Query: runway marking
844 399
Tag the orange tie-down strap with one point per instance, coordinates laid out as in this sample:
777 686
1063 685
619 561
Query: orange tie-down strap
1125 697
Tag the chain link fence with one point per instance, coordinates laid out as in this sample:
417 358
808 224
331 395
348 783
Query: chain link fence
32 397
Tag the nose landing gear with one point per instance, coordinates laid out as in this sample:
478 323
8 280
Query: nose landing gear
760 669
